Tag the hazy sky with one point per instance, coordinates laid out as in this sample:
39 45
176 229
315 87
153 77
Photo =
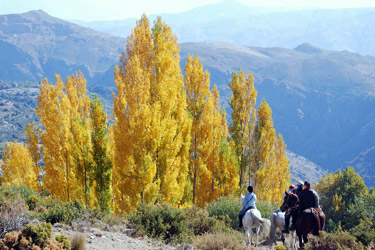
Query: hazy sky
89 10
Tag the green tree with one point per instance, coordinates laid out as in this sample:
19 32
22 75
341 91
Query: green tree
337 192
101 160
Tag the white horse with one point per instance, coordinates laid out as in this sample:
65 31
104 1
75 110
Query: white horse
277 219
253 219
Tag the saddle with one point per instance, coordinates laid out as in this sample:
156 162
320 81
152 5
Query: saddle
310 210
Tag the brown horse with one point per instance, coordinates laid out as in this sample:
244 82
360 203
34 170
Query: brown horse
311 220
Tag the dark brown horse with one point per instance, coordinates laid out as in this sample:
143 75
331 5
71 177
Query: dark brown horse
311 220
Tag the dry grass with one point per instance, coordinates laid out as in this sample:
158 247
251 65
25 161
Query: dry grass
78 242
219 241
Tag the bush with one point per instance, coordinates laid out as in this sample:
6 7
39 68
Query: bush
62 212
225 209
161 221
266 208
12 214
78 242
34 237
64 240
198 220
220 241
33 201
335 241
364 232
40 233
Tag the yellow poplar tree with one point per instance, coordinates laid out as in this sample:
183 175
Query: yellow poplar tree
32 142
271 167
242 102
197 85
218 174
151 131
18 166
64 112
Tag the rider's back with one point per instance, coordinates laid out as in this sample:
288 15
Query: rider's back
308 199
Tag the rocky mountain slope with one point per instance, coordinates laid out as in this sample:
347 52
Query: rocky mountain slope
34 45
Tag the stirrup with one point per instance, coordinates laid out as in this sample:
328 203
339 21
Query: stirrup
285 231
292 228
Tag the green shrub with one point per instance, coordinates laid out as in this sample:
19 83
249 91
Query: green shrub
33 201
226 209
266 208
198 220
161 221
220 241
63 239
335 241
364 232
40 233
65 212
11 191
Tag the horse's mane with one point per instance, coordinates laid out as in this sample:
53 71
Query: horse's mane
292 200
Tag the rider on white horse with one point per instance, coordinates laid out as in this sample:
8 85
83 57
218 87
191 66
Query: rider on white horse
249 203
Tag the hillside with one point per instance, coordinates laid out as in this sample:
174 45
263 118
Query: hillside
231 21
37 45
322 100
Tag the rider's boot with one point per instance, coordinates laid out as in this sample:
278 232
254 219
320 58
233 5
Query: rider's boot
292 227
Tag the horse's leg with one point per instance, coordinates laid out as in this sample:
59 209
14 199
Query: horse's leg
300 241
251 236
293 240
283 238
248 236
257 230
305 238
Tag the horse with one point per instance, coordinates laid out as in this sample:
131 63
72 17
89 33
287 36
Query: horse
253 219
310 220
277 219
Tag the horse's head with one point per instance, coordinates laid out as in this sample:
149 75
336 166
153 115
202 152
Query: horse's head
290 201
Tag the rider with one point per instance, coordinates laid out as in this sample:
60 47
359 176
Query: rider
249 202
308 198
291 212
290 190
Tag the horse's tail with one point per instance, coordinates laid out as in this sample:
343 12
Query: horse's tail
316 224
272 236
266 224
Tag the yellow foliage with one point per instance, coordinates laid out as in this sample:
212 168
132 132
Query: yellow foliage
64 112
242 102
152 128
18 166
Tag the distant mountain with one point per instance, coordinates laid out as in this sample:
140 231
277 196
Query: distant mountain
364 165
37 45
323 101
230 21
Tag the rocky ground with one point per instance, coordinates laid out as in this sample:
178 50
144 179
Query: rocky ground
96 239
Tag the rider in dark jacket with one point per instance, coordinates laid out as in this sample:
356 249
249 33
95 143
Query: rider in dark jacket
308 198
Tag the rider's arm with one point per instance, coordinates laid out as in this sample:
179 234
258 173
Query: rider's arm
316 197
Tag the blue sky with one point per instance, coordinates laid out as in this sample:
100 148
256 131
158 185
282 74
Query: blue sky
89 10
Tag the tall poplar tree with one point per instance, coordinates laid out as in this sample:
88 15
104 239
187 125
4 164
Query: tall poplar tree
219 174
102 172
151 131
242 102
64 112
197 83
271 166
